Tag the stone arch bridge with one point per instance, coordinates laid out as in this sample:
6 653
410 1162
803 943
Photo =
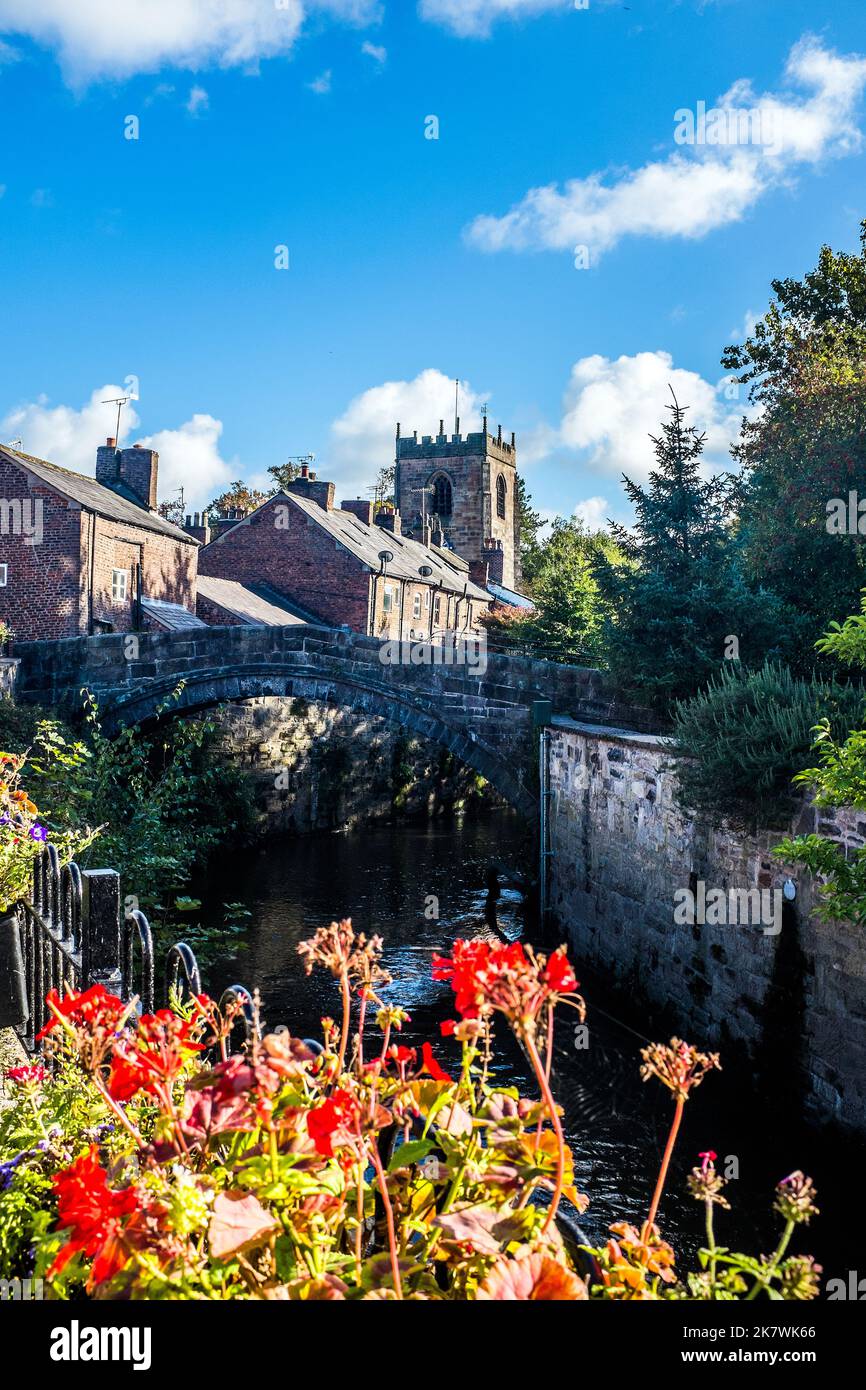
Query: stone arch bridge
486 713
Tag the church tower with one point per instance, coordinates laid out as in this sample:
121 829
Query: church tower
465 489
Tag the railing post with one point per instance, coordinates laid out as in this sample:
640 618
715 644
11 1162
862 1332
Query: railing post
101 928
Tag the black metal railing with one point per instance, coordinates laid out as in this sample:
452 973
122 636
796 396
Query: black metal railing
74 932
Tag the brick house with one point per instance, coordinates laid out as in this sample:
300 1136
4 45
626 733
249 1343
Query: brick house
83 555
344 566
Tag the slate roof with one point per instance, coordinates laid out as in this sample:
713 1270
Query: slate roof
509 596
255 604
170 616
365 542
93 497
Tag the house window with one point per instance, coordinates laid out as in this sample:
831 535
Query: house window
4 576
437 610
442 498
416 606
500 496
119 585
427 600
388 599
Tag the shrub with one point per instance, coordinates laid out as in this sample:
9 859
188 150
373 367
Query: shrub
745 737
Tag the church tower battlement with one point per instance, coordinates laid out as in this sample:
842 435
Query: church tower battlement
467 486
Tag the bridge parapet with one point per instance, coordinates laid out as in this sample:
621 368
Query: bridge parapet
481 711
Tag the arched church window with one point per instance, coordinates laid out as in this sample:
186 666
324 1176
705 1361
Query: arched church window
500 496
442 499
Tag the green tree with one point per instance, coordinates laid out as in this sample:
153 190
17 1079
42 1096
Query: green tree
530 523
805 365
238 497
568 618
679 605
839 779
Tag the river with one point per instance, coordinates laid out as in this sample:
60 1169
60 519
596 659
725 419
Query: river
384 878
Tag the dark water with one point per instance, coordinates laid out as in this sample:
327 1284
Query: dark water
383 878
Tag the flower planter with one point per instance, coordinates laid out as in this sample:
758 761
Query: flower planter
13 985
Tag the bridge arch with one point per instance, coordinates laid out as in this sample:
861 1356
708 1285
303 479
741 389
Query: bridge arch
176 698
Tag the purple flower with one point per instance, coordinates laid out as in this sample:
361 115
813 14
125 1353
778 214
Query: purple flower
38 832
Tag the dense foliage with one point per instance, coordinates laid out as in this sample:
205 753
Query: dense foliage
679 601
153 805
838 780
742 740
152 1164
567 622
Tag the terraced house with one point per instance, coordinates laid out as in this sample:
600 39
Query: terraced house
345 566
83 555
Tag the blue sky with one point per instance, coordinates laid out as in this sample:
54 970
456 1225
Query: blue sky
301 123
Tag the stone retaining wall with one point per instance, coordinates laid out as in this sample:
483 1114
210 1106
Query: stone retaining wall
623 848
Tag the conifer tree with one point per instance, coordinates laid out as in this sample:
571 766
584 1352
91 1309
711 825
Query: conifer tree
680 606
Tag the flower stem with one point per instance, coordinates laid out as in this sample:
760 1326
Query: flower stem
663 1170
547 1095
344 1033
389 1217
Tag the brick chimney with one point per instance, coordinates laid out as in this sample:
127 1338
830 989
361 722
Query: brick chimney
494 555
390 521
198 526
360 508
129 471
308 485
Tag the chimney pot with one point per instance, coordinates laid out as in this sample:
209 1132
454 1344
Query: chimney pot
110 443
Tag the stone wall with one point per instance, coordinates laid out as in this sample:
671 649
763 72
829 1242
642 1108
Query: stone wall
314 766
791 1004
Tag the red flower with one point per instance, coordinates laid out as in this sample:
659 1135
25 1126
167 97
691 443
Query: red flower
155 1057
447 1028
431 1066
330 1123
507 979
88 1207
559 975
92 1009
25 1075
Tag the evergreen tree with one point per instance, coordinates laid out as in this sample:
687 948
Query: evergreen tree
680 606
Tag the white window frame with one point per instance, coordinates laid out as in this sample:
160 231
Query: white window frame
388 599
416 606
119 585
4 576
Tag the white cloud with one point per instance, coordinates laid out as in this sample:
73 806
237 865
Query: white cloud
321 85
612 406
8 54
362 439
699 187
116 38
378 53
593 512
197 101
745 329
64 435
475 18
189 456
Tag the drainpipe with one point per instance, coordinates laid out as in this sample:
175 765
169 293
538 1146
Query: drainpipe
542 713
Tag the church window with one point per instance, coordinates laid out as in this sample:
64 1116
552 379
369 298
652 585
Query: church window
442 499
500 496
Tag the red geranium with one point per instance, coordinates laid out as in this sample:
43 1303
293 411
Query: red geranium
154 1058
333 1122
89 1208
93 1009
